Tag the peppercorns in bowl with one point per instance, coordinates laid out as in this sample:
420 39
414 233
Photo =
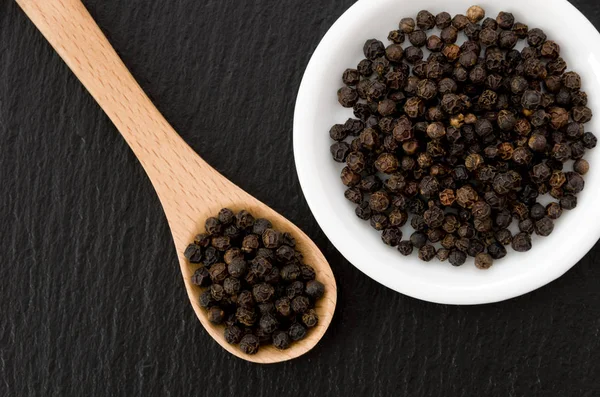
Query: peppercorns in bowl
448 141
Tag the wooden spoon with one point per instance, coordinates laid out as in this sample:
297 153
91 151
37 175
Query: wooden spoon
189 189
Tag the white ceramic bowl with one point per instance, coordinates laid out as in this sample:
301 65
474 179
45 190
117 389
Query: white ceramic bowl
317 109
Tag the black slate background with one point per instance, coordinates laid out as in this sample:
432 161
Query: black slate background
91 299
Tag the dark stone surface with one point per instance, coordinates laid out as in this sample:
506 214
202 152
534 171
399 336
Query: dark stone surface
91 298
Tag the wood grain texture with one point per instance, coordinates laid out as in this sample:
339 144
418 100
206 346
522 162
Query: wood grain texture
90 293
190 190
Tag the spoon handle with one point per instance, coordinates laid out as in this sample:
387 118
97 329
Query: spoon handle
75 36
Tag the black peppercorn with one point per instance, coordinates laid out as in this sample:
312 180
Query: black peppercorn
483 261
373 49
520 30
351 77
310 318
544 226
550 50
457 258
568 202
425 20
233 334
193 253
407 25
434 43
231 286
507 39
396 36
201 277
443 20
314 289
216 315
475 13
281 340
249 344
391 236
427 253
300 304
295 289
521 242
489 23
418 38
405 248
297 332
283 306
581 166
496 250
505 20
460 21
221 243
589 140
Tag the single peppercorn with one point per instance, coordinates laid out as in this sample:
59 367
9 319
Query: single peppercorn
310 318
475 13
589 140
365 68
249 344
425 20
457 258
347 97
568 202
427 253
351 77
483 261
201 277
315 289
520 30
394 52
551 50
396 36
193 253
233 334
373 49
297 332
407 25
449 35
216 315
522 242
460 21
507 39
281 340
443 20
581 166
553 210
544 226
496 250
405 247
526 225
418 38
489 23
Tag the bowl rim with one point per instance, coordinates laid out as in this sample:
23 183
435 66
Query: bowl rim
314 191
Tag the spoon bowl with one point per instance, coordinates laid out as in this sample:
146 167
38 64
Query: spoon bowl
189 189
324 307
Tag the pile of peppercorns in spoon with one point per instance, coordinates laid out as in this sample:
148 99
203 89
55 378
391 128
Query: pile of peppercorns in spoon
256 282
463 142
